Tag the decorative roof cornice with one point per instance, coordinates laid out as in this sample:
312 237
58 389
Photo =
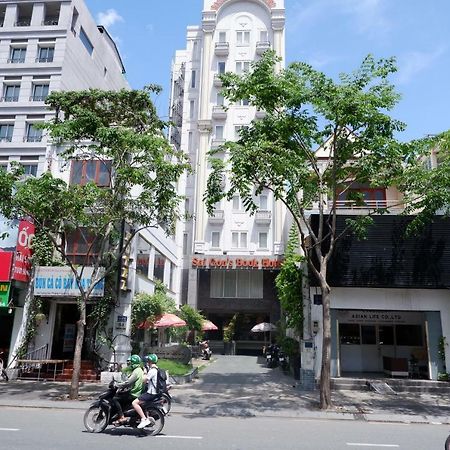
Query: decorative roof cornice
218 3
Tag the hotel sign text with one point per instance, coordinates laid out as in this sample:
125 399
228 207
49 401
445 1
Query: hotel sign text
236 263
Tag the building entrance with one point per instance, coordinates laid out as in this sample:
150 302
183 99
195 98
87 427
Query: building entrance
6 326
382 342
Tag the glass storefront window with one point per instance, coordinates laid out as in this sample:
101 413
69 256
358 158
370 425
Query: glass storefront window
158 266
368 335
409 335
349 333
386 334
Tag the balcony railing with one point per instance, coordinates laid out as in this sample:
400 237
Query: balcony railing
263 217
10 98
50 21
217 80
219 112
262 46
217 216
217 142
5 138
23 23
32 138
222 48
367 204
16 60
45 59
38 98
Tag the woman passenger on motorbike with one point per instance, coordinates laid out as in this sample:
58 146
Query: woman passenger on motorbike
134 381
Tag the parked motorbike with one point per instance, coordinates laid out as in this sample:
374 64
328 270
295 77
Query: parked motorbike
272 356
103 412
447 444
3 374
282 359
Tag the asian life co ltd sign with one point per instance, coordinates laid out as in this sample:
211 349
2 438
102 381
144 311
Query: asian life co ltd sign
60 282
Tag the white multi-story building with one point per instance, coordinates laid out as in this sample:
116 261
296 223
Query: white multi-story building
229 258
55 45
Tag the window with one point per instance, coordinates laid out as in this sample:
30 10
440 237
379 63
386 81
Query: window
222 36
242 66
368 335
221 67
52 11
86 42
386 334
82 246
236 284
236 203
6 132
191 109
239 239
243 102
193 75
215 239
17 55
74 21
40 92
243 37
195 50
263 202
158 266
171 284
220 99
45 54
410 335
185 243
92 170
190 137
263 36
218 132
360 195
143 256
11 92
237 130
349 333
262 240
33 134
30 169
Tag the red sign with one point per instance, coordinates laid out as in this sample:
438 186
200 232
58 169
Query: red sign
237 263
22 264
5 265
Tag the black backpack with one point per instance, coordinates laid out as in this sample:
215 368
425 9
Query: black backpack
161 381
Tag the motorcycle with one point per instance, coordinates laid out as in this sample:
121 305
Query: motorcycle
3 374
206 351
272 356
103 412
282 359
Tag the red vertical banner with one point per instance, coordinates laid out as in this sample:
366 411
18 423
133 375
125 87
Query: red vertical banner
22 264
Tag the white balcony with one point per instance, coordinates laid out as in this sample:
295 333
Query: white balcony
263 217
262 46
217 217
259 114
219 112
217 142
217 81
222 49
395 205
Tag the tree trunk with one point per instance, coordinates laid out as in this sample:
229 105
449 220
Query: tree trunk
325 375
73 391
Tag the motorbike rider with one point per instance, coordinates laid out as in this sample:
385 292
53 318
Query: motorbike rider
134 383
151 392
206 351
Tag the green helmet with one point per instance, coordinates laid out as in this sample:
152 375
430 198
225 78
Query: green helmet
152 358
135 360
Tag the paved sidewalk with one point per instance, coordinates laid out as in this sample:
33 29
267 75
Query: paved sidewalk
242 386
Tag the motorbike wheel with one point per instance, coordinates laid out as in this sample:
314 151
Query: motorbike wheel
95 419
158 417
447 444
166 403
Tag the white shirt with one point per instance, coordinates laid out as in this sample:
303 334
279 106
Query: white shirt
152 376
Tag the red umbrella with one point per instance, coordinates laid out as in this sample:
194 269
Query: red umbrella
209 326
164 321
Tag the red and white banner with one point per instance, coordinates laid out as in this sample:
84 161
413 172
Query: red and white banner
22 264
5 265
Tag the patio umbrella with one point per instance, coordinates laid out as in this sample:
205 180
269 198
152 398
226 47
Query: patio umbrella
263 327
209 326
164 321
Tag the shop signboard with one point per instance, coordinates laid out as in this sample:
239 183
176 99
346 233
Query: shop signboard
60 282
379 317
217 262
4 294
22 264
6 259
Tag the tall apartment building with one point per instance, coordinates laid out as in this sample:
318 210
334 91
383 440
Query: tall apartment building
230 259
45 46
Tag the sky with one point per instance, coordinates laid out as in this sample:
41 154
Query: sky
333 36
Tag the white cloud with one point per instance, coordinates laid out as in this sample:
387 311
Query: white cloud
368 16
412 63
109 17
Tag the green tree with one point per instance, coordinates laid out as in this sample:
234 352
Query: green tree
319 139
138 168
